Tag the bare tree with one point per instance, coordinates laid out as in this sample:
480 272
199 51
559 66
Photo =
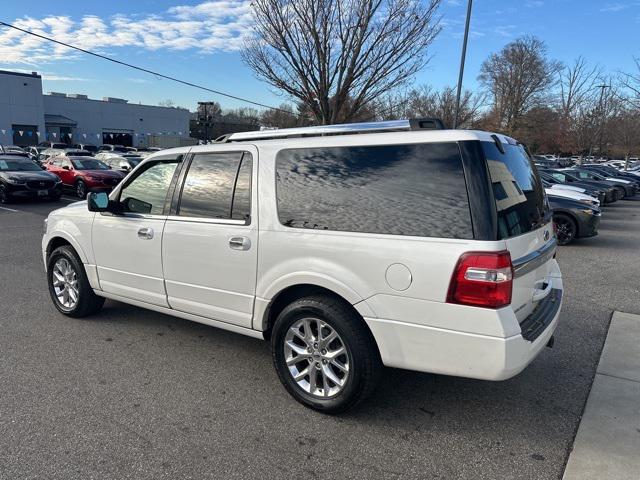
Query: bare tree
167 103
631 83
577 84
338 56
283 117
518 77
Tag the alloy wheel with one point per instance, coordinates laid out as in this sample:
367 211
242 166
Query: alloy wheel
80 190
564 231
65 283
316 357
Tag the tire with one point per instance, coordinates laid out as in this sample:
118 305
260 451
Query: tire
4 196
86 302
566 228
81 189
361 355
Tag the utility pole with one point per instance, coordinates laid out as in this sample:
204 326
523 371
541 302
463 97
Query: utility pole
205 120
462 59
601 111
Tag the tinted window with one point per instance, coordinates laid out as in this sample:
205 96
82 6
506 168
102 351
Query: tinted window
241 209
521 207
210 184
393 189
89 164
147 192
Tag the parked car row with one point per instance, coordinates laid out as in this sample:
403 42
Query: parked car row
577 194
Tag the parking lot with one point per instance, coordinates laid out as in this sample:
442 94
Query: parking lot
135 394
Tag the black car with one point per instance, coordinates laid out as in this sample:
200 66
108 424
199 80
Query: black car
626 189
608 171
21 178
604 193
573 219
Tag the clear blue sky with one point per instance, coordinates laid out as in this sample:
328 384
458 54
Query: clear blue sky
199 41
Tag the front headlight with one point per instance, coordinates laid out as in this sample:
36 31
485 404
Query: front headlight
16 180
588 211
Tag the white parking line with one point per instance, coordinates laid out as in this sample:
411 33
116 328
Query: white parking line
65 199
8 209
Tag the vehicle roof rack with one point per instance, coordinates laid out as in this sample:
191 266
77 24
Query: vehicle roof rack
340 129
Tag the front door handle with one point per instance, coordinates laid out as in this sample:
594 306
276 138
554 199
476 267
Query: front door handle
145 233
240 243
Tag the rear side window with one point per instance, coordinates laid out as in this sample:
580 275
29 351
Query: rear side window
416 189
517 189
218 185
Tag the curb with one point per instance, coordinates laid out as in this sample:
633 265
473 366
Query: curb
607 444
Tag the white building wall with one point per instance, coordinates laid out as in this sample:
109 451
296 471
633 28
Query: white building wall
20 103
94 117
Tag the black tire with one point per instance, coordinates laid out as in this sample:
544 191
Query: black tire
566 228
4 196
81 189
365 365
621 192
87 302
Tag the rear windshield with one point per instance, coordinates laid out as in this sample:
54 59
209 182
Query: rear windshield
517 190
416 189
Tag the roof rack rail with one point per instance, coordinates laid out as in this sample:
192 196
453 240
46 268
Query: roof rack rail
341 129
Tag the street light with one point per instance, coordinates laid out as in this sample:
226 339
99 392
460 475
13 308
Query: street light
462 58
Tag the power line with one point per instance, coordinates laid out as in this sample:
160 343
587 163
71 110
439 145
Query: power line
104 57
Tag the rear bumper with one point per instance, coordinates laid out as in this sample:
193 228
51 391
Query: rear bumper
448 352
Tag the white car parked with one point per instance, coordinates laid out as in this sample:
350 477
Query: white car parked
348 247
565 193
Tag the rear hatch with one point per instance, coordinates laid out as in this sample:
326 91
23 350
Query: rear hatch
524 224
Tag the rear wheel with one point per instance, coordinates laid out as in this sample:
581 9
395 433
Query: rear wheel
69 287
566 228
324 354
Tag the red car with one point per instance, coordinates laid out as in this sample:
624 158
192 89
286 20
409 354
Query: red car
84 174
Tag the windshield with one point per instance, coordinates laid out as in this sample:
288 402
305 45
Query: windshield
517 189
89 164
120 149
90 148
18 166
133 161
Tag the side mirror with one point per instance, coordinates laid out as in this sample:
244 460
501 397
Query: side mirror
66 167
125 168
98 202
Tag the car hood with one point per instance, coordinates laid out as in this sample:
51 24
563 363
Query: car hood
34 175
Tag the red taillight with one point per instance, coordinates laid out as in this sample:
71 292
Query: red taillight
482 279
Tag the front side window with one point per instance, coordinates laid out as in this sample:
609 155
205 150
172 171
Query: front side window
414 189
147 192
217 185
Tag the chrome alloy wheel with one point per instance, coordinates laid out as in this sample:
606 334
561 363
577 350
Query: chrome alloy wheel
316 357
65 283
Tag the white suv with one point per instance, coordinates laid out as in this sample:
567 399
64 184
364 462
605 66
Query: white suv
347 247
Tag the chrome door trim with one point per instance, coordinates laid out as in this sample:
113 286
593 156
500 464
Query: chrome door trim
221 221
531 261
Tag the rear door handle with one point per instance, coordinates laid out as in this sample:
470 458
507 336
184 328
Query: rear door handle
240 243
145 233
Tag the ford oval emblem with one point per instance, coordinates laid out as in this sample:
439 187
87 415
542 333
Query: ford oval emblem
546 235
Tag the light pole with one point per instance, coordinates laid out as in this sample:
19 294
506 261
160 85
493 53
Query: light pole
462 58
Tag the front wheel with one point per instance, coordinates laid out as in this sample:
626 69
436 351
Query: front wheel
324 354
4 195
69 287
566 229
81 189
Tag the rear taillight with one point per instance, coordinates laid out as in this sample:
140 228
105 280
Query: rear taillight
482 279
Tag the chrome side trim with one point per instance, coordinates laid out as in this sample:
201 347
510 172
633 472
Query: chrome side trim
221 221
531 261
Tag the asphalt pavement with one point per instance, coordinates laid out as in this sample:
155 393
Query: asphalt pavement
135 394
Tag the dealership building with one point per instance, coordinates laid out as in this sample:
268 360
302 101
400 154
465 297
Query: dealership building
28 117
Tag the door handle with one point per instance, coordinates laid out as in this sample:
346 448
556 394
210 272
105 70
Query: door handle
240 243
145 233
